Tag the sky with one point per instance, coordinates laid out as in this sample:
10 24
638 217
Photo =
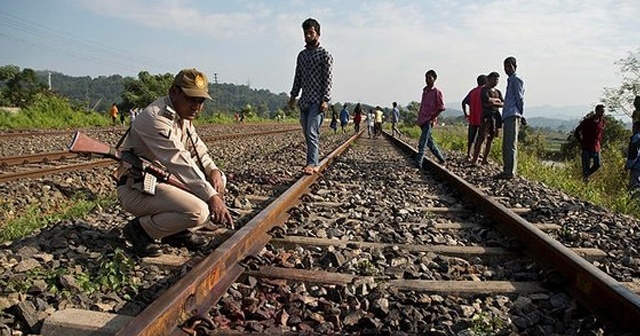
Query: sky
566 50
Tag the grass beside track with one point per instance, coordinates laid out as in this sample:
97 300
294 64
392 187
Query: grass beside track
32 219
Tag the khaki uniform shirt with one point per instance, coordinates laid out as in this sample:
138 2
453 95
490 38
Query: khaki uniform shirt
161 136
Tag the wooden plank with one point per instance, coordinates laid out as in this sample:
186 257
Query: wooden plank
444 287
326 204
259 198
166 260
518 211
443 249
431 286
467 226
462 251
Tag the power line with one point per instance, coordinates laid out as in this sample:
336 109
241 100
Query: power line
98 60
69 42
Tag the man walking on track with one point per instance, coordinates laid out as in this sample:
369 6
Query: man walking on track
313 75
431 105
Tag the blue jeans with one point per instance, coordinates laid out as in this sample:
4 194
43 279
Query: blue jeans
587 168
426 139
311 119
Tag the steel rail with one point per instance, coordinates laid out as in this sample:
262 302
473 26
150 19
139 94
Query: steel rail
206 282
35 158
52 156
598 291
55 170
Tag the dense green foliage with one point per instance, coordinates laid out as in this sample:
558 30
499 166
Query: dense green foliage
50 111
19 88
90 93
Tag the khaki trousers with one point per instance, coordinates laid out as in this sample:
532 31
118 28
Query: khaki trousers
169 211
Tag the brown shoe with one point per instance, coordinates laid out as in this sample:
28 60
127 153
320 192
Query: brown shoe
143 244
185 239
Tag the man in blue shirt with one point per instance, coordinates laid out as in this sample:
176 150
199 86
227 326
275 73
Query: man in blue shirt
344 118
512 112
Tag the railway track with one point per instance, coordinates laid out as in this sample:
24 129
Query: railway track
371 246
42 164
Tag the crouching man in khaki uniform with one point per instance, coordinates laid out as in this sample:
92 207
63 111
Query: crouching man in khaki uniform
164 134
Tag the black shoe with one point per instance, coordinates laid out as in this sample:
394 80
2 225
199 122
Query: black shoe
504 176
142 243
185 239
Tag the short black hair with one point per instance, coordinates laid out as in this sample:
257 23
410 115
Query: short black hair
600 106
311 23
432 73
510 60
493 74
482 80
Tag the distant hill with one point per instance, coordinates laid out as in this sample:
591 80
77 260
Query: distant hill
100 92
554 124
557 112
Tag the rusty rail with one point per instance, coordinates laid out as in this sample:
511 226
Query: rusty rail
194 294
205 284
53 156
592 287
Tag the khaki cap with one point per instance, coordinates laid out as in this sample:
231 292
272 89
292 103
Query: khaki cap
193 83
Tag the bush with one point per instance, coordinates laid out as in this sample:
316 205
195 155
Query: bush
51 111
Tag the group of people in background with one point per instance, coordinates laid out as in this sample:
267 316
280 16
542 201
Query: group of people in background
374 118
486 120
114 113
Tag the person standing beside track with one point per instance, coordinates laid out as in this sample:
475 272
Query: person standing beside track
512 115
371 123
589 135
164 133
114 113
344 118
377 125
357 117
313 75
431 105
472 99
491 119
395 119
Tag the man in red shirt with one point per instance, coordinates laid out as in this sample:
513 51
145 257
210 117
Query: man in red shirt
475 112
589 134
431 105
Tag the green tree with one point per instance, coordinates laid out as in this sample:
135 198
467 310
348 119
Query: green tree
8 71
411 115
19 88
619 100
145 89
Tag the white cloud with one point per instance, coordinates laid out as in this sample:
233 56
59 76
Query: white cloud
565 49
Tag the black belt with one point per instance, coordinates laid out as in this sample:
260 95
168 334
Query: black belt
123 180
